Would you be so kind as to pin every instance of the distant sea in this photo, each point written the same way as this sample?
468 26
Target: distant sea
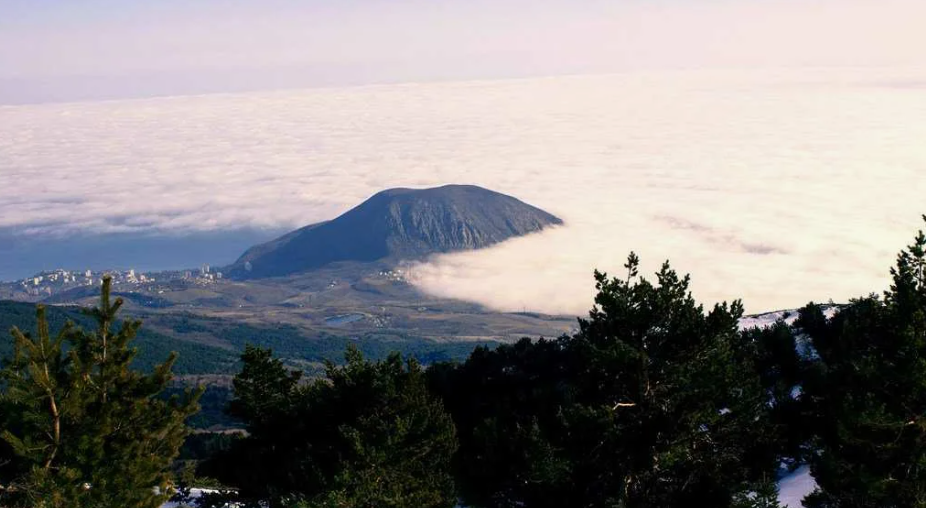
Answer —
777 186
22 257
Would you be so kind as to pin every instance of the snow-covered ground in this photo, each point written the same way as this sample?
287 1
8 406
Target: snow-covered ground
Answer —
194 493
789 316
768 319
793 487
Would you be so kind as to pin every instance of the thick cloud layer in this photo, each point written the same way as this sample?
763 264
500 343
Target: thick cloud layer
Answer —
778 187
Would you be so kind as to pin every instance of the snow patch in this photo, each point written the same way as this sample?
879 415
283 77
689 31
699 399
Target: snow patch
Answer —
793 487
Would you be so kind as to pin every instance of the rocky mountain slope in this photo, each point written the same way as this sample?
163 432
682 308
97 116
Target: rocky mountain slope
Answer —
398 224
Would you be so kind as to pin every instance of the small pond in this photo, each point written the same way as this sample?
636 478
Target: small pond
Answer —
343 319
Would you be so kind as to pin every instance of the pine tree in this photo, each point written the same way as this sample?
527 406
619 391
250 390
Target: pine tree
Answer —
40 397
866 394
263 389
765 496
263 466
507 405
673 399
397 440
90 430
369 435
653 403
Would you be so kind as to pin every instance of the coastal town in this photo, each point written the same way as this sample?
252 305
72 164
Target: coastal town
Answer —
49 283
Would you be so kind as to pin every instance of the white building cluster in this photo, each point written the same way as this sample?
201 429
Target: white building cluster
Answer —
205 275
48 283
58 280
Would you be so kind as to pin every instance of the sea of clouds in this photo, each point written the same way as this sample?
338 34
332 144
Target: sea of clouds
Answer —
777 187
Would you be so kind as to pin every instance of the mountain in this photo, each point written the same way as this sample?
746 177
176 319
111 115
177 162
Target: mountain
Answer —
398 224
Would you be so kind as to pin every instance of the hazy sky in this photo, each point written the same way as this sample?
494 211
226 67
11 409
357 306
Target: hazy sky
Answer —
54 50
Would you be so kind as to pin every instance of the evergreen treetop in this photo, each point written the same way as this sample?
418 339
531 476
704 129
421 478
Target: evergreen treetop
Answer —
865 394
89 430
